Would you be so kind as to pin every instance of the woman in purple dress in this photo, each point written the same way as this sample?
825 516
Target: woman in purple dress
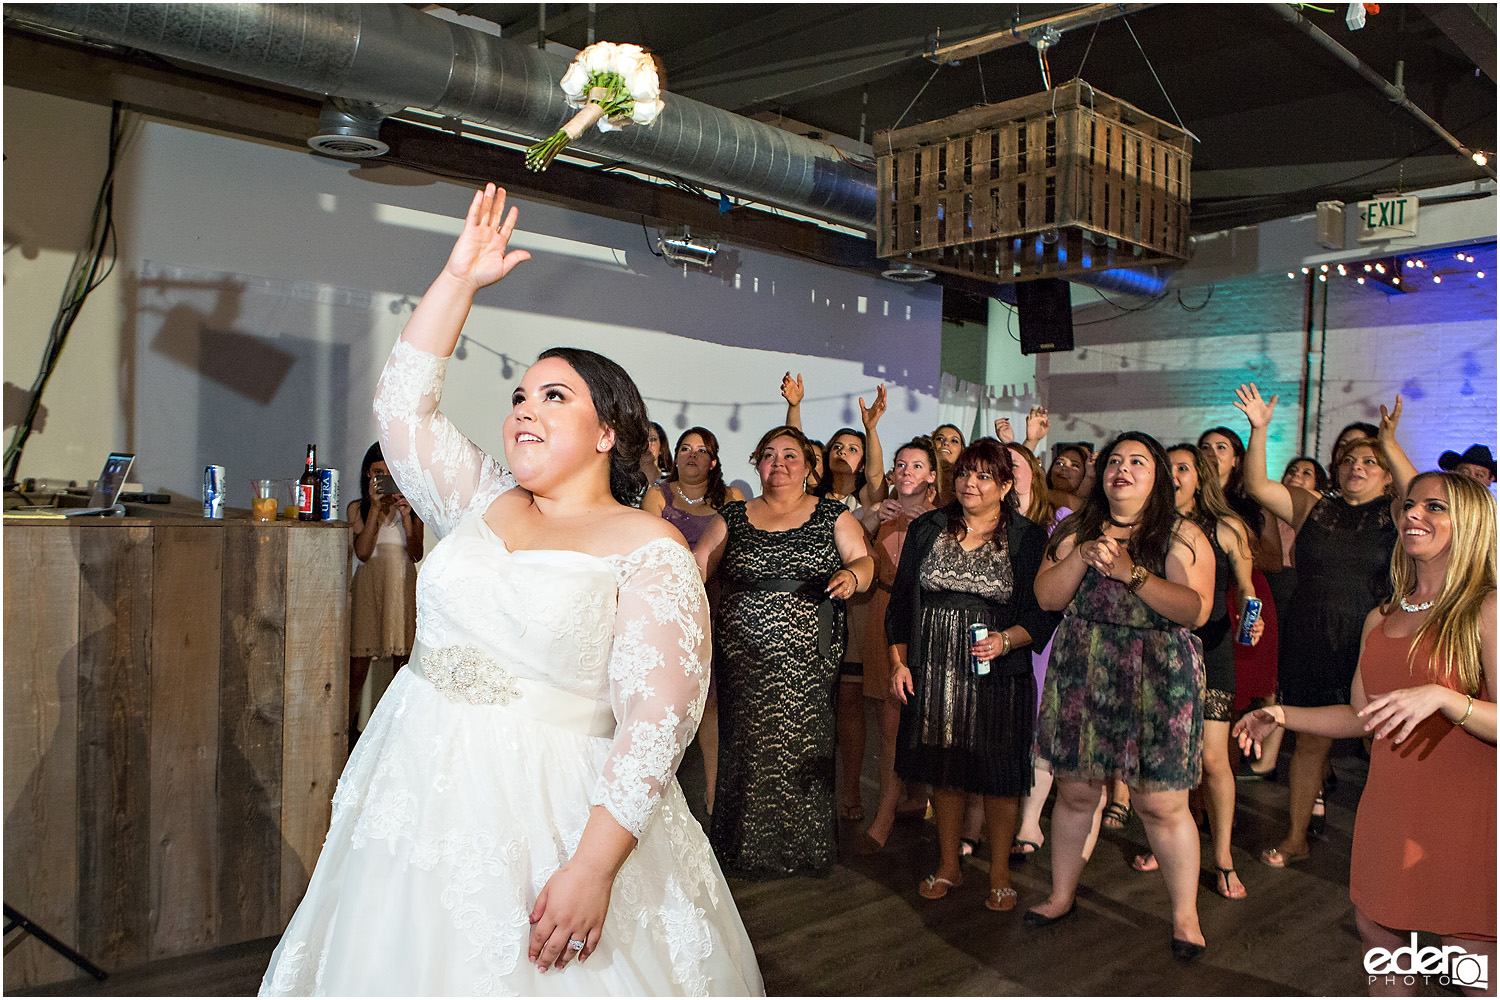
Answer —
689 498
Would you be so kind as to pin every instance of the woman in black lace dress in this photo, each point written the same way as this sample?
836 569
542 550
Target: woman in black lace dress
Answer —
785 562
1344 545
966 724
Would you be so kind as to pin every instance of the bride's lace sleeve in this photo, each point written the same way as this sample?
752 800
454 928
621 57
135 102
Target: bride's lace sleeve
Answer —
658 682
443 474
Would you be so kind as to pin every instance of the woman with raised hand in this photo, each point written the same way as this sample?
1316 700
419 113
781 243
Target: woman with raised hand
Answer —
1424 837
786 563
915 480
1123 695
1254 666
1198 499
1344 547
1304 472
688 499
849 457
510 821
969 703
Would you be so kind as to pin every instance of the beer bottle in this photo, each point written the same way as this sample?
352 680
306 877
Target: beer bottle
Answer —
307 488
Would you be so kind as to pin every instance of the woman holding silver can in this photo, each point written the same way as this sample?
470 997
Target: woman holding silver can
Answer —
969 701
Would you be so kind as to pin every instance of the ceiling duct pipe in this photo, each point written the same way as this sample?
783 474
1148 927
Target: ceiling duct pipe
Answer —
373 59
391 54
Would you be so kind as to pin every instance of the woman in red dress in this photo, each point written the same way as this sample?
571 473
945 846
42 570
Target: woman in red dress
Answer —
1424 837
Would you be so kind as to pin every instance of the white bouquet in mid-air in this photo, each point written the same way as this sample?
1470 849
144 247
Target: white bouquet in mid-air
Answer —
614 86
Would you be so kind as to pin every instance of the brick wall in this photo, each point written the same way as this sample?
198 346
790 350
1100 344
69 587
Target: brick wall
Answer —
1172 372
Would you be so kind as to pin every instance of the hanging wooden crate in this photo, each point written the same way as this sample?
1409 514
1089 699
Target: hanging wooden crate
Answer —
1063 182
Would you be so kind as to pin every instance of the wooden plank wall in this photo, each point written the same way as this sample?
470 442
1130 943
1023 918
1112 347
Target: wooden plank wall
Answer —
172 735
41 743
185 671
317 708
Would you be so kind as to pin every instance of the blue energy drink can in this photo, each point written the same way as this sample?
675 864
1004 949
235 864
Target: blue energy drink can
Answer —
977 631
213 490
328 494
1252 615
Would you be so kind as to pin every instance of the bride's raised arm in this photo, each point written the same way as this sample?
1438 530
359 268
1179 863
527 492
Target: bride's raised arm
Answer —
440 471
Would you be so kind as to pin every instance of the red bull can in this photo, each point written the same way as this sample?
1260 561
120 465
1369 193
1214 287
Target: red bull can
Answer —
328 494
1252 615
977 631
213 490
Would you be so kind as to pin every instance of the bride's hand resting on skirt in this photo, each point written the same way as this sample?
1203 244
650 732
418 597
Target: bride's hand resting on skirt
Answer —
571 907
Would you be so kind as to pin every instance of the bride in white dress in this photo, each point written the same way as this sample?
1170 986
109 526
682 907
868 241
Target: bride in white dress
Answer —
510 822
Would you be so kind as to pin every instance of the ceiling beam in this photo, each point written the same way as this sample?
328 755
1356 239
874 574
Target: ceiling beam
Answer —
1471 27
1023 33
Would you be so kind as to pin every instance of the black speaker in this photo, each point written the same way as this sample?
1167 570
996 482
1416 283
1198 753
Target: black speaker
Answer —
1045 307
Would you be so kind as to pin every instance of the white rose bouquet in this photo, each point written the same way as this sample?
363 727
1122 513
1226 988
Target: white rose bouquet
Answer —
613 86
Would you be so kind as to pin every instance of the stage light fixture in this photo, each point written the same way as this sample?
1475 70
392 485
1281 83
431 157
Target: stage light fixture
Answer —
685 248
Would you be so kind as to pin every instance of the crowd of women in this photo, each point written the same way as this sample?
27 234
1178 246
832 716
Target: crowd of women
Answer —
1020 633
1111 590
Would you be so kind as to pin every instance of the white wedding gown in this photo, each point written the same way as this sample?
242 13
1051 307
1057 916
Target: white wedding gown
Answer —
543 683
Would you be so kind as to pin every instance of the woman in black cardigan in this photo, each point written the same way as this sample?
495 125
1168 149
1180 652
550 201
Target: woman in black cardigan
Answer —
966 724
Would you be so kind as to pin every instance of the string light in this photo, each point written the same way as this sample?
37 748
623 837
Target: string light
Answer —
1289 274
1479 274
1437 279
1380 268
1324 268
1368 267
1322 277
1305 271
1360 279
1481 159
1342 271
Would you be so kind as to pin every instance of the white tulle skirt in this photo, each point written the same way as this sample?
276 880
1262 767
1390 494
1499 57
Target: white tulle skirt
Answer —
447 823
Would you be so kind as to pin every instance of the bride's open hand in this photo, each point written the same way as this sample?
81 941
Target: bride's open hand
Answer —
571 907
480 257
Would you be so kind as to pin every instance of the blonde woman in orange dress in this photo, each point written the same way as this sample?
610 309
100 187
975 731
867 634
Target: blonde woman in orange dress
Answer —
1424 837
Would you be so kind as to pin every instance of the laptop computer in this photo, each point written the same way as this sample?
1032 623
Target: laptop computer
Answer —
105 498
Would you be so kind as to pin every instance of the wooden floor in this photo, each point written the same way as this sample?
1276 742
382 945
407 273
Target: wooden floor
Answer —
865 931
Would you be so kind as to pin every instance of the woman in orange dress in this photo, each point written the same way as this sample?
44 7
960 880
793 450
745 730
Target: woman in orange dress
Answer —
1424 837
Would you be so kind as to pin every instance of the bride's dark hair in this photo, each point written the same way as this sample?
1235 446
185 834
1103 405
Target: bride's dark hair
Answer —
620 408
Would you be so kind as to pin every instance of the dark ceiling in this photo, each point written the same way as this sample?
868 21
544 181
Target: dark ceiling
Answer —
1282 123
1259 95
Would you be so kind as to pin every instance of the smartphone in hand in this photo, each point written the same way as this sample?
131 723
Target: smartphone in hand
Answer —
386 486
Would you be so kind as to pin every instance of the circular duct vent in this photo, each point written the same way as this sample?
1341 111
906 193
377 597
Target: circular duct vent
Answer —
908 273
351 146
350 129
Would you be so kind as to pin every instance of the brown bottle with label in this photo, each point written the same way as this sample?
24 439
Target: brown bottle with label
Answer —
307 488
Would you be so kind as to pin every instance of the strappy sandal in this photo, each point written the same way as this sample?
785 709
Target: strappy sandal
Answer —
1022 850
852 814
936 887
1222 884
1319 821
1272 857
968 846
1001 900
1116 815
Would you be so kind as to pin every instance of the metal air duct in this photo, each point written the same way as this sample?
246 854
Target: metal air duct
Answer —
391 54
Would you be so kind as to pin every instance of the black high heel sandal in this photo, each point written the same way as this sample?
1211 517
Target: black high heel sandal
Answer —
1319 821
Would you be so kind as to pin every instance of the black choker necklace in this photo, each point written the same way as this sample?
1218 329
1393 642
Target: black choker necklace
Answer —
1119 524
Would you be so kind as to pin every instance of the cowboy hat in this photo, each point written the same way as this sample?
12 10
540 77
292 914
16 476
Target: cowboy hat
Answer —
1477 454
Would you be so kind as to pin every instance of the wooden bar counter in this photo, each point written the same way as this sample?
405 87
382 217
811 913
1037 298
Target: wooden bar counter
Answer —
176 701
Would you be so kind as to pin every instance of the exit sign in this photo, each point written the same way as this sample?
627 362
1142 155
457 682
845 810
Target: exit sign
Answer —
1386 218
